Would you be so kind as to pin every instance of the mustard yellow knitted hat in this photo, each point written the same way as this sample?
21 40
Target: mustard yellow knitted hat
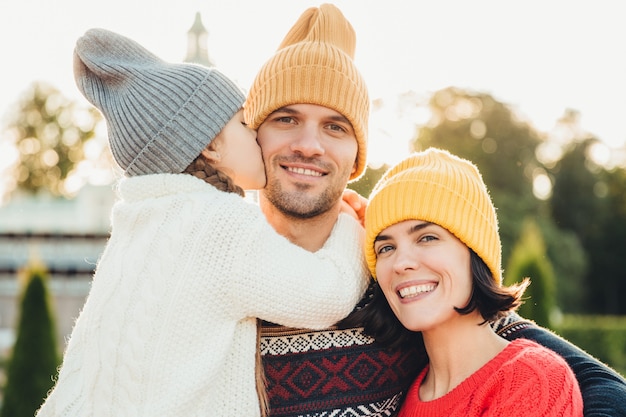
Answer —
314 65
438 187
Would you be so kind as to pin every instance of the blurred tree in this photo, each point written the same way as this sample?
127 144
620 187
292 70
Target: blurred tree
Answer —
576 207
49 132
477 127
569 262
609 252
589 200
528 259
33 365
573 201
368 180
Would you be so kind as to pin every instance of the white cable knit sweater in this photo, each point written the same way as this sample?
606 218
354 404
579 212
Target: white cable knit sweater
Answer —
168 328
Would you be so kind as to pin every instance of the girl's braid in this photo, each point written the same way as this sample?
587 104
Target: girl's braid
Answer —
202 168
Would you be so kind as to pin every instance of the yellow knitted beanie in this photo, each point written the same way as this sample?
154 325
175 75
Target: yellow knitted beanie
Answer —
437 187
314 65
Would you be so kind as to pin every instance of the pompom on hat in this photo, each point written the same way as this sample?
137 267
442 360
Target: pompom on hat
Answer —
314 64
437 187
159 115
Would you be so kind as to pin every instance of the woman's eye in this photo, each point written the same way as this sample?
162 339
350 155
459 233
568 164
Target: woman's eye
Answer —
383 249
428 238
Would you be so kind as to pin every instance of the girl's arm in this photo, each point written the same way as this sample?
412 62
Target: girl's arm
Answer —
280 282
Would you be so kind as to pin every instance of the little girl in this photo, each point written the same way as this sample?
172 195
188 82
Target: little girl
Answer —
170 325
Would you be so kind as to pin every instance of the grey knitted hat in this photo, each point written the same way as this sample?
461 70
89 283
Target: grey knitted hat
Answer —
159 115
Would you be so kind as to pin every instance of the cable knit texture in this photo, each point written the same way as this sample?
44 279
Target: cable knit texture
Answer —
169 328
525 379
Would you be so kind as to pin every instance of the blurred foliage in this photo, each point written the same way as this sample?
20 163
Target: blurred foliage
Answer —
49 132
569 262
604 337
35 358
528 259
590 201
479 128
368 180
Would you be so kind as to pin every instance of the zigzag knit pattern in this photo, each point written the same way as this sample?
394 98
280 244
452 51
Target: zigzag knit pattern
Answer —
334 373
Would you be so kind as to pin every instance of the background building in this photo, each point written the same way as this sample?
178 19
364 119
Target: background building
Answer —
67 236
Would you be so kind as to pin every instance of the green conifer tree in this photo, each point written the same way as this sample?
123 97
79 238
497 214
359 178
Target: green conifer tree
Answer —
529 259
33 366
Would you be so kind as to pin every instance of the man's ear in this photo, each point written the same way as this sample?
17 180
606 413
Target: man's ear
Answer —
211 155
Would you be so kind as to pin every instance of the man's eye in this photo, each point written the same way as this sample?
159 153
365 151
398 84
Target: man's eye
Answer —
337 128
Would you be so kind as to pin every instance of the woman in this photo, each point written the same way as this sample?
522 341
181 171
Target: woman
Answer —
432 244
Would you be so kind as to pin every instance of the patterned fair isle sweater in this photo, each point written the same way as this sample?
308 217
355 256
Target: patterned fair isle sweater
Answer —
524 380
169 327
344 373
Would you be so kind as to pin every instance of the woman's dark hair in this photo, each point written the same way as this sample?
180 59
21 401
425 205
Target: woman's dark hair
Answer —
380 322
491 301
202 168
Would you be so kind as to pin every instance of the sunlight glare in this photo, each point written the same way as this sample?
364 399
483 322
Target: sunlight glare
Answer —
599 153
542 186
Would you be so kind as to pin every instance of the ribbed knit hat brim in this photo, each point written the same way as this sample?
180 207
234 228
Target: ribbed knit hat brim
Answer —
159 115
315 65
437 187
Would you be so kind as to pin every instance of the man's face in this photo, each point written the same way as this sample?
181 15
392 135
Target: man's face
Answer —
309 153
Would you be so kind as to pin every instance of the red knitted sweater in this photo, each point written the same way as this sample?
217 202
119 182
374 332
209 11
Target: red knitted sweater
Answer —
525 379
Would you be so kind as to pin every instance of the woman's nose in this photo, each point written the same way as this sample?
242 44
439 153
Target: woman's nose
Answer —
405 260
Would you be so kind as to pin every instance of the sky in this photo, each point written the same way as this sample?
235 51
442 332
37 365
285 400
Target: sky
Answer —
539 57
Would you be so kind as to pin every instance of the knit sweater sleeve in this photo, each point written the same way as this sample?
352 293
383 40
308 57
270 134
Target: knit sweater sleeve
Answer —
277 281
603 389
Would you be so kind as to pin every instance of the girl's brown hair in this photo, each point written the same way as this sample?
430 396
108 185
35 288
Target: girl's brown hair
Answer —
201 168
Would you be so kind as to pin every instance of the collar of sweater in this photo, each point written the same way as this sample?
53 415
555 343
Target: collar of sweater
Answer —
160 185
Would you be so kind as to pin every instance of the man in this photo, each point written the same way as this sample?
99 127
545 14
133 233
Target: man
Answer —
310 106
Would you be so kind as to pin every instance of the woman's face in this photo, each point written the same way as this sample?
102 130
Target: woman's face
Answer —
424 272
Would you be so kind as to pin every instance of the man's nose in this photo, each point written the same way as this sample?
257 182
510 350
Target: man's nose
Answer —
308 141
